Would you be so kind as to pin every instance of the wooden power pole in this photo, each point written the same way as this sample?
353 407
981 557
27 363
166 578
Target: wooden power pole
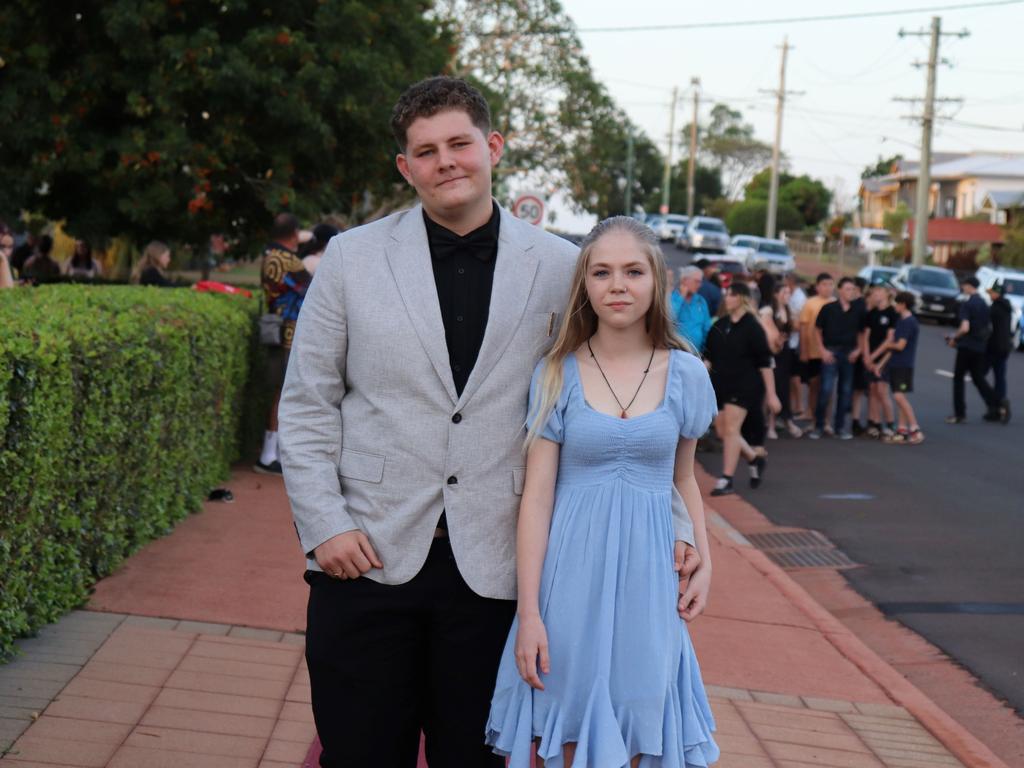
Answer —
691 170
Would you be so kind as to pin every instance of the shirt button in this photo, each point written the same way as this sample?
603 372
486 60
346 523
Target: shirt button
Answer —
456 368
458 318
453 480
456 418
462 270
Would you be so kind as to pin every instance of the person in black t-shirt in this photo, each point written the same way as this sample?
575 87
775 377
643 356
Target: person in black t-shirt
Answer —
1000 342
971 342
860 374
879 327
738 356
838 328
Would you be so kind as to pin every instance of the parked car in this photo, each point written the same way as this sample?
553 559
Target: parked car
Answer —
774 255
876 275
745 247
704 234
936 289
1012 282
874 241
671 226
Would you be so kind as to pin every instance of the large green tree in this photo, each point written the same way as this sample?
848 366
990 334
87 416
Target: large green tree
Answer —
175 119
707 183
883 167
729 144
808 196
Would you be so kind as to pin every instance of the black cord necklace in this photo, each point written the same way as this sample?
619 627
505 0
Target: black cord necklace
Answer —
624 408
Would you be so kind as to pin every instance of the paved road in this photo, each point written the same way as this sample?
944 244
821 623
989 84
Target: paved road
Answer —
939 527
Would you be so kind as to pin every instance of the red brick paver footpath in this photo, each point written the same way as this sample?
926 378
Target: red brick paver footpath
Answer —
191 656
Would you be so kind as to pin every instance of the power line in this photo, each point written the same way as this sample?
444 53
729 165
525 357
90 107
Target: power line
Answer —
790 20
981 126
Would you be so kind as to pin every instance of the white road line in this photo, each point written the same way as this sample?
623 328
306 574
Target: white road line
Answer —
949 374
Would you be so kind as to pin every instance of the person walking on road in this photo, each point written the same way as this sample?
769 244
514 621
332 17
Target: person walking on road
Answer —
740 362
837 328
401 434
894 362
971 343
1000 343
689 309
598 668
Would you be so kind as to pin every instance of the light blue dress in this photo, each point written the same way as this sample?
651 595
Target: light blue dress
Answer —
624 679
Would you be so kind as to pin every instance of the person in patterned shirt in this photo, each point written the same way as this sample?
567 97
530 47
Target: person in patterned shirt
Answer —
284 280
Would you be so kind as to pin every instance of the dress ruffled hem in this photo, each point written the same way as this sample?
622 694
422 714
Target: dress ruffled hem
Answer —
607 736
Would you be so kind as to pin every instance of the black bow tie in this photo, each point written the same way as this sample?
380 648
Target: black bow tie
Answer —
480 243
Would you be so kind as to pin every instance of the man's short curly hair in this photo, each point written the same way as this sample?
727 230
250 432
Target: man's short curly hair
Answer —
438 94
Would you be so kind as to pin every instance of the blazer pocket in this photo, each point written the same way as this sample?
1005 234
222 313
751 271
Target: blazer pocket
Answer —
356 465
518 480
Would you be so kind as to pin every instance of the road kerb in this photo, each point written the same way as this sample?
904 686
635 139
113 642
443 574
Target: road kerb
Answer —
957 739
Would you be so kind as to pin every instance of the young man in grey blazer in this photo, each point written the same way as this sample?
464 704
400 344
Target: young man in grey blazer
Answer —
401 426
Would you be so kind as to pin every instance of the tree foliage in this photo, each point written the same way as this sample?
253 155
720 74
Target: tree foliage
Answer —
881 168
707 183
808 196
178 120
749 216
562 128
728 143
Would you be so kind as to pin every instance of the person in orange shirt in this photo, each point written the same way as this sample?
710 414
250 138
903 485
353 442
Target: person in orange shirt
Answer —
810 349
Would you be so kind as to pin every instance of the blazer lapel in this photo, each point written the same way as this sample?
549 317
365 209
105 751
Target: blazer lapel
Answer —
409 258
514 273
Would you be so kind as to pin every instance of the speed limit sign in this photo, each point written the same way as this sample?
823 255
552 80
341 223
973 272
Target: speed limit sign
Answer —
529 206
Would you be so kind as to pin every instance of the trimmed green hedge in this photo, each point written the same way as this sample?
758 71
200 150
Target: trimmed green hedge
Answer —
120 408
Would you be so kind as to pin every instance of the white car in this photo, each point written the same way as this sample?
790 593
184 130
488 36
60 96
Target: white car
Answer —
1012 281
705 234
668 227
763 252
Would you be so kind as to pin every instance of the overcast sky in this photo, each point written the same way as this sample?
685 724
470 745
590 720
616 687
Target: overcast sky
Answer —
849 72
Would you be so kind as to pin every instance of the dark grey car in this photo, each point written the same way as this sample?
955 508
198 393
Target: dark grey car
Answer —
936 289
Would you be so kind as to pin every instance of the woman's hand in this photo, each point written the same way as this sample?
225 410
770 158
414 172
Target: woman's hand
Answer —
686 559
531 642
695 599
774 404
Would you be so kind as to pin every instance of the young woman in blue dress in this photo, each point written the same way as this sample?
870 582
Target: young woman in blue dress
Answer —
599 670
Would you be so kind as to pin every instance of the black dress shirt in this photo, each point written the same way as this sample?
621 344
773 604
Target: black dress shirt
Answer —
839 327
463 274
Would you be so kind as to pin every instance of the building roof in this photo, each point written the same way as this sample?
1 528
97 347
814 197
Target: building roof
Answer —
1002 199
959 231
953 165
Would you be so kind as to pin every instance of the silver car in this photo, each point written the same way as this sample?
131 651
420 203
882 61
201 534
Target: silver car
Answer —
705 234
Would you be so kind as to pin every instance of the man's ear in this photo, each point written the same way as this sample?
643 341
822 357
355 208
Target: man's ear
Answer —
496 145
403 167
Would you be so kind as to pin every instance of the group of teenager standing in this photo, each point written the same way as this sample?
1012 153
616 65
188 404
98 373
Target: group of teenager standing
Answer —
778 356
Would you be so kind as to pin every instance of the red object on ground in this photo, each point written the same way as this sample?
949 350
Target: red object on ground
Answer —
212 286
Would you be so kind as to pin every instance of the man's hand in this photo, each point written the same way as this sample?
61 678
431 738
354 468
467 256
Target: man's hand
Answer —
347 555
686 559
853 356
774 404
827 357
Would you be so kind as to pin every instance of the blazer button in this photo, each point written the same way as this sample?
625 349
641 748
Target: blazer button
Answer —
456 418
453 480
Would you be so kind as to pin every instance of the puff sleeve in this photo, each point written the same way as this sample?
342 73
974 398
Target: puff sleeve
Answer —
694 396
554 427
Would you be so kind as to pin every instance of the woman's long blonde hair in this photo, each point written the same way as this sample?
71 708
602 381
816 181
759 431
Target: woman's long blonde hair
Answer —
150 258
579 321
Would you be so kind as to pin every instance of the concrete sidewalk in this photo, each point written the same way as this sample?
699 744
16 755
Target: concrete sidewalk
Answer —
191 655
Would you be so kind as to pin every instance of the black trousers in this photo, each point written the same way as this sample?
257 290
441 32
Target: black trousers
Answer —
976 364
386 662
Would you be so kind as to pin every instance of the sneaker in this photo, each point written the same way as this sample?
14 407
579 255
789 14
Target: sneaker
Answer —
886 433
794 429
857 429
897 438
273 468
771 434
993 416
845 434
915 437
1004 411
814 434
722 487
757 468
956 419
829 431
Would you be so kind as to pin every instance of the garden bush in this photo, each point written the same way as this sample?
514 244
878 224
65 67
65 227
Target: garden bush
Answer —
120 408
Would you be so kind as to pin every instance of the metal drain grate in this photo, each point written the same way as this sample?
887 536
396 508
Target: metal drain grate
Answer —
800 549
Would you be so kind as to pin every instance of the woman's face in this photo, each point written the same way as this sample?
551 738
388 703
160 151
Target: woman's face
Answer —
732 301
784 294
164 259
6 245
620 280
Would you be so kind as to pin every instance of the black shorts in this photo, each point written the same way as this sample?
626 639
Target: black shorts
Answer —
277 366
810 369
901 379
748 400
860 376
873 378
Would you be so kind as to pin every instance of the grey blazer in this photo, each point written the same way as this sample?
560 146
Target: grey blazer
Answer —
368 434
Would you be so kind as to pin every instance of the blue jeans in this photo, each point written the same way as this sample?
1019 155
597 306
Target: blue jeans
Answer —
842 371
997 362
